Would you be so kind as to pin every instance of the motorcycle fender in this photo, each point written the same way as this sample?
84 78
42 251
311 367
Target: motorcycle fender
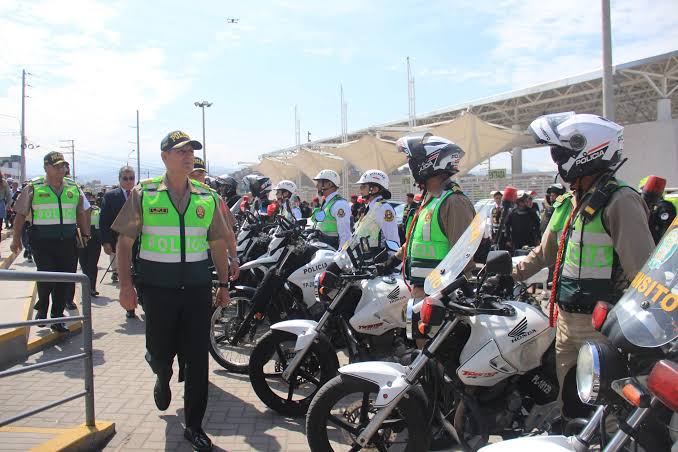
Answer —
303 329
541 443
389 377
249 291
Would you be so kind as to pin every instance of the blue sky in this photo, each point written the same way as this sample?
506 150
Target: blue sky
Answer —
95 63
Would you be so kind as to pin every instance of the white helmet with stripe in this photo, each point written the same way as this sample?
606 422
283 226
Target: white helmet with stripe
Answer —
286 185
581 144
374 176
328 174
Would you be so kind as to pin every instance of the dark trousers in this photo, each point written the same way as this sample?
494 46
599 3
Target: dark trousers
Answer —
178 322
54 256
89 260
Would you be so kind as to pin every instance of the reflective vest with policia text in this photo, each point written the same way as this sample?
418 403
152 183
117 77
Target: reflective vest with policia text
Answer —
173 246
428 245
329 224
589 257
54 217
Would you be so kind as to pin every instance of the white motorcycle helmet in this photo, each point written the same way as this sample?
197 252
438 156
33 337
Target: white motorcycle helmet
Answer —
376 177
328 174
581 144
286 185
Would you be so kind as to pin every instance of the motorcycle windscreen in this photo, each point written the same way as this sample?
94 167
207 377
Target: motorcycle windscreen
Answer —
459 256
367 226
648 310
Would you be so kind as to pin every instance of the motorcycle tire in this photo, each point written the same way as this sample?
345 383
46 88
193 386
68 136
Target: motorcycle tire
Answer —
412 411
225 321
318 365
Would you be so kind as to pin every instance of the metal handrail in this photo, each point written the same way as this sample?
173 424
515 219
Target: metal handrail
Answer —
86 356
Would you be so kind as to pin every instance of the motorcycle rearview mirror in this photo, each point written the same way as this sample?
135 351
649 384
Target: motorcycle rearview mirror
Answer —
392 245
319 216
498 263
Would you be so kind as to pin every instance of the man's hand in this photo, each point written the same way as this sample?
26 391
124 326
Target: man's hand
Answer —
108 249
128 297
222 300
15 246
234 270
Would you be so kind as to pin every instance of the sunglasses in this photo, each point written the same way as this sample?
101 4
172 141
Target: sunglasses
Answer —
128 178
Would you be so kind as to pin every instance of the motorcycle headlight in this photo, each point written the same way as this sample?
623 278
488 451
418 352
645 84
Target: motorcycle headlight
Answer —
598 365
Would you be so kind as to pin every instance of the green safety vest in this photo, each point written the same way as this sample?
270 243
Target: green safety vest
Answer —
173 246
372 233
329 224
589 256
54 217
94 217
427 245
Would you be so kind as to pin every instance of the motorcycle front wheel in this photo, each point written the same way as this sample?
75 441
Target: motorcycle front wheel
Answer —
344 406
271 357
225 322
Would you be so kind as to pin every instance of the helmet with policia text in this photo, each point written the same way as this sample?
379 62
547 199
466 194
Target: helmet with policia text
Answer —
378 178
257 185
429 155
581 144
286 185
328 174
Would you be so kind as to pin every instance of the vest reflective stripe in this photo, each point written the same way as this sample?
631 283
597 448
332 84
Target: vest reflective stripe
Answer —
373 234
166 257
54 216
427 245
329 225
95 214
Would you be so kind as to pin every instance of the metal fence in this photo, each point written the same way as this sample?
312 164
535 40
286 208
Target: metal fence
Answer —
86 356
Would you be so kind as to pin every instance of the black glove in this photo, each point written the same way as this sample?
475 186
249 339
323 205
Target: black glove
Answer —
388 266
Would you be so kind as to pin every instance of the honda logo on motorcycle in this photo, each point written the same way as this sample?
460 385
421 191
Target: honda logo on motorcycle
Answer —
520 331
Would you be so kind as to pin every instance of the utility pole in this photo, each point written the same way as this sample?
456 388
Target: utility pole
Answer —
23 125
72 148
202 105
139 160
411 97
608 81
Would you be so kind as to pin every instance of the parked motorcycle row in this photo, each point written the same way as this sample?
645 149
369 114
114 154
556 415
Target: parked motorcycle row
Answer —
330 335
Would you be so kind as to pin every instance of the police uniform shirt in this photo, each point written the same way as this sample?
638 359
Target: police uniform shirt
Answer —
341 210
22 205
129 220
385 218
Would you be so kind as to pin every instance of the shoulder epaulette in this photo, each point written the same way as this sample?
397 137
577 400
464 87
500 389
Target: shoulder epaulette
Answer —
562 198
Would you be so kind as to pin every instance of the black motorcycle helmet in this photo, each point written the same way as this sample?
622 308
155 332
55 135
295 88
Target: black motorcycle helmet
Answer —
429 155
227 184
257 185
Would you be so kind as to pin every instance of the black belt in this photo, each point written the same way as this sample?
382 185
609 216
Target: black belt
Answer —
577 307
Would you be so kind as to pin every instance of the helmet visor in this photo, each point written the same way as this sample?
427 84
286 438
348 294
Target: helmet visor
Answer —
561 155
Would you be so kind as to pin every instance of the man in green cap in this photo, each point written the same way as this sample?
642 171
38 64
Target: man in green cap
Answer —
176 221
56 207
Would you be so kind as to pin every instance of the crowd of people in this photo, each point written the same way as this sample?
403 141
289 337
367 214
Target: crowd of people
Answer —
164 234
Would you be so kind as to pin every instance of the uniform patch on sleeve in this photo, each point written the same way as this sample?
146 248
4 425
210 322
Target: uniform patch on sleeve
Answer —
388 215
341 213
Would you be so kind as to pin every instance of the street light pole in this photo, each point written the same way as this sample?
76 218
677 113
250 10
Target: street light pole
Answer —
202 105
138 159
608 81
23 126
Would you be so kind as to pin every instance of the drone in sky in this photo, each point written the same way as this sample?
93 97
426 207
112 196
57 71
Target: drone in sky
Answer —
232 20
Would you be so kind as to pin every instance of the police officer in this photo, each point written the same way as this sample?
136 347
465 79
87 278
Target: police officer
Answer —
260 187
176 221
552 193
446 212
662 213
374 186
495 213
283 194
88 256
336 216
522 224
227 187
56 208
598 236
